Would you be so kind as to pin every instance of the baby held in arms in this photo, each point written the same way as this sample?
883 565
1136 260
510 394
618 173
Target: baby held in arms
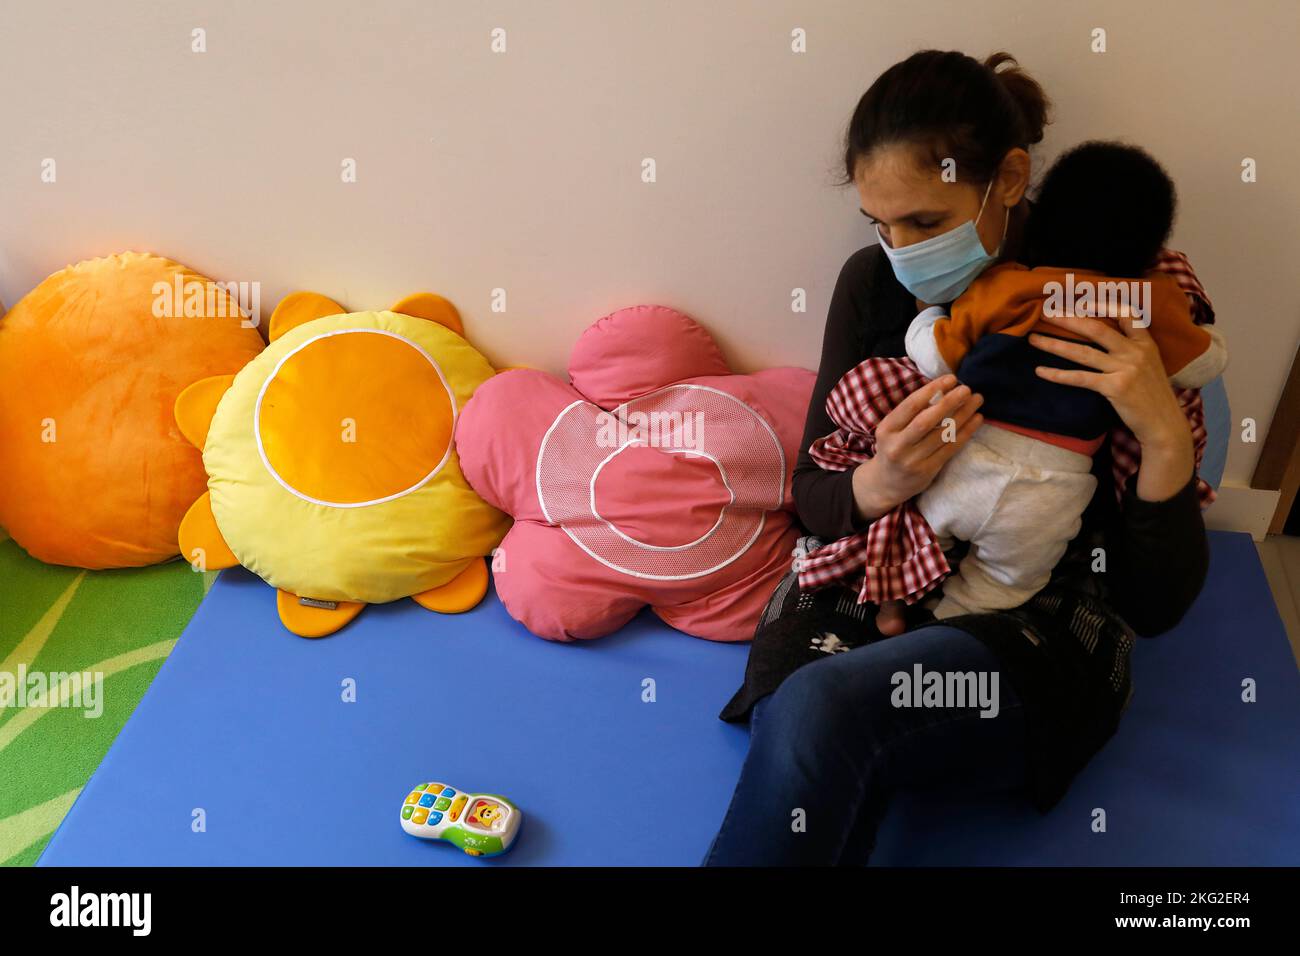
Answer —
1017 490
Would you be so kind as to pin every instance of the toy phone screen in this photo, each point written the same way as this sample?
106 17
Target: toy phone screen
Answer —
487 814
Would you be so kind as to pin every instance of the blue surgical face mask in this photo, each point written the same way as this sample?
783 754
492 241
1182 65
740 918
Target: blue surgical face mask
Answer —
940 268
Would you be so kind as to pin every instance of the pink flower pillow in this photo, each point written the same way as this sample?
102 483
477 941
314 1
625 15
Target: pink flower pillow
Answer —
657 476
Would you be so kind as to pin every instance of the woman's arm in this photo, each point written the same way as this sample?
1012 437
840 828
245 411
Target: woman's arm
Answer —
1159 554
824 499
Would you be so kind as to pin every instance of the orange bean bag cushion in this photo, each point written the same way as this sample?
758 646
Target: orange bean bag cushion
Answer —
94 472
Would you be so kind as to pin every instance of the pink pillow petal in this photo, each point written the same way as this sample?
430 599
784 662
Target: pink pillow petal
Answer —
639 349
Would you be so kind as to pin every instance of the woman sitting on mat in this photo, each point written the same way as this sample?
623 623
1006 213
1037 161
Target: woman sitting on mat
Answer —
836 726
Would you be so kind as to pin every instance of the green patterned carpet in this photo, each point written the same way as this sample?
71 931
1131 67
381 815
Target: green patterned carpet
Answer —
56 622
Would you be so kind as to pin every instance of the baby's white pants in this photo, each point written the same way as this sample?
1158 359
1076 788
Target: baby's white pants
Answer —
1019 502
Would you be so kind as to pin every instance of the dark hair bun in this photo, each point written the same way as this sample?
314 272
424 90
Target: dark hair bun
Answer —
1025 90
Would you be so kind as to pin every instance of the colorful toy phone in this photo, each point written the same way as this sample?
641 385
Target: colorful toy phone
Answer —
481 824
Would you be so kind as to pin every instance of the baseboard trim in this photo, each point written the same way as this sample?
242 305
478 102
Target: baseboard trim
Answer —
1239 508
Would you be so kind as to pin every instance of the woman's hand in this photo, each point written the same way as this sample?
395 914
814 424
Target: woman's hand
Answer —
1132 378
912 443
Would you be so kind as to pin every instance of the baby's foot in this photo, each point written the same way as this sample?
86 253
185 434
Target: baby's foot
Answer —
889 619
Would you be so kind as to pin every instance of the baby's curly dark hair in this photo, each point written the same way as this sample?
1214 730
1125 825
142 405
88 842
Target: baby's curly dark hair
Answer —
1106 206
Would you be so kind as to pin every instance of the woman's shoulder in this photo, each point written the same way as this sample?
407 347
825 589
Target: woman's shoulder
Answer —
863 266
868 296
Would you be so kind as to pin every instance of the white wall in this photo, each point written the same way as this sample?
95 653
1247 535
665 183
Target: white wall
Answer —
522 171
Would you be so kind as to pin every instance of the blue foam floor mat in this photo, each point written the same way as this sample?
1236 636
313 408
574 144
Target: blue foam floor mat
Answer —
1193 777
246 723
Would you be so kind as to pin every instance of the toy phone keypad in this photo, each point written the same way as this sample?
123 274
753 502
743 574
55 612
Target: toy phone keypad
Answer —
481 824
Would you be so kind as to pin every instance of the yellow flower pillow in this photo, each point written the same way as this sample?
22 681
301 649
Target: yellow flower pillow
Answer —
331 462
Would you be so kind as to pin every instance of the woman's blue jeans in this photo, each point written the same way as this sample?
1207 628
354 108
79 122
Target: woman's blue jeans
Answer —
830 747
